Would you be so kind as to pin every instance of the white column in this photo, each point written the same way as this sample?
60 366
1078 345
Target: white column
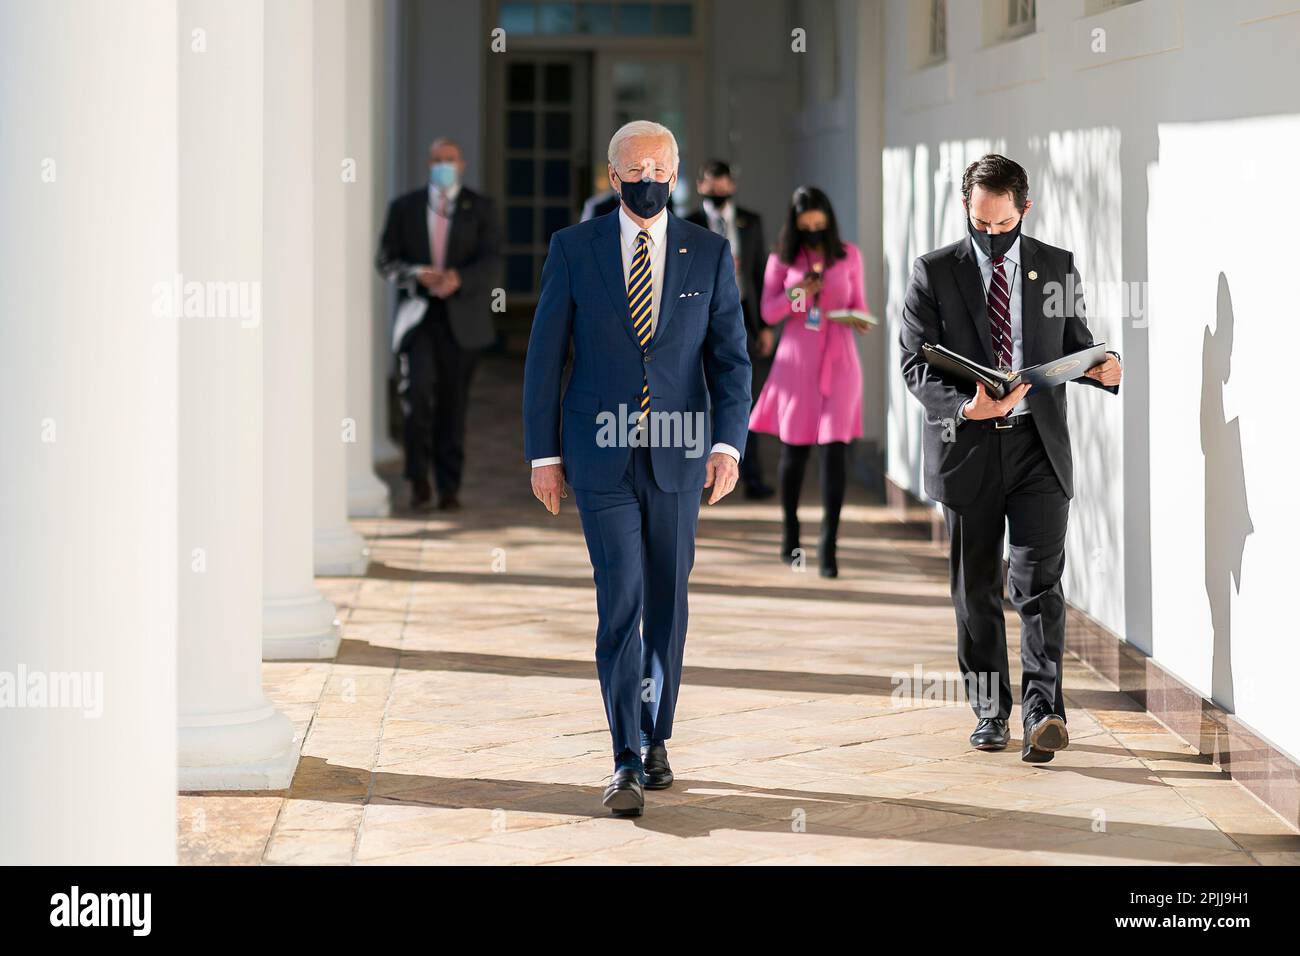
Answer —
364 118
339 549
388 183
297 621
88 432
231 736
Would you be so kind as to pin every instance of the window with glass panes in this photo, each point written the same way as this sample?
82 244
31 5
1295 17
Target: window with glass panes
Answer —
1021 15
545 152
583 18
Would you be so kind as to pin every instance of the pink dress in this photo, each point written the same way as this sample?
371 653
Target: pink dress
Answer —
813 394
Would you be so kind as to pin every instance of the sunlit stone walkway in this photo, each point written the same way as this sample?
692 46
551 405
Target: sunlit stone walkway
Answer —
462 723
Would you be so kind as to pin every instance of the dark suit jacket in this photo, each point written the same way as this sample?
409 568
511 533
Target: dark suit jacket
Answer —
945 305
473 250
696 359
753 260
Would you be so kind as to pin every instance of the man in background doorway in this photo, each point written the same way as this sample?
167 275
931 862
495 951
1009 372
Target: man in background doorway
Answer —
743 230
441 243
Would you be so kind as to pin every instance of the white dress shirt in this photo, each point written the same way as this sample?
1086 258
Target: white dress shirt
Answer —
628 232
1011 267
723 222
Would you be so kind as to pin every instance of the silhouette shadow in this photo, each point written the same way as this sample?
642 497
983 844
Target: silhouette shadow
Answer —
1227 515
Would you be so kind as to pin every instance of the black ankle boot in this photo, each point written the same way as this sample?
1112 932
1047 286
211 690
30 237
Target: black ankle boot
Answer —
789 541
828 566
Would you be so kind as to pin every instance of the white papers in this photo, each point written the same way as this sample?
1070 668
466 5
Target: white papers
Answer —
409 314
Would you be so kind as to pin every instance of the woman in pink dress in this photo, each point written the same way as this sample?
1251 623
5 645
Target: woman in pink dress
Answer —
813 395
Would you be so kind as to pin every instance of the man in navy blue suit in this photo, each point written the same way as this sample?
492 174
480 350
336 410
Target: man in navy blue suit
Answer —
660 376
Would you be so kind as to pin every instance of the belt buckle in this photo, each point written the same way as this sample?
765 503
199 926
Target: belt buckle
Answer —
1002 424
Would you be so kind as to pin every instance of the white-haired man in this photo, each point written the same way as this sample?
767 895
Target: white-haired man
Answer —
441 243
649 304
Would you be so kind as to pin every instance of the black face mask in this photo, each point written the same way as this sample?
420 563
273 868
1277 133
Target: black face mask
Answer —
995 247
645 197
719 200
812 238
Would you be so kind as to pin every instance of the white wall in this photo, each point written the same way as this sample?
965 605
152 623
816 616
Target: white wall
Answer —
442 91
1224 571
751 104
1142 161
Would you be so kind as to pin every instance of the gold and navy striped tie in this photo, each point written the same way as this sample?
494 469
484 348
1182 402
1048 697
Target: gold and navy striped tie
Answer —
640 300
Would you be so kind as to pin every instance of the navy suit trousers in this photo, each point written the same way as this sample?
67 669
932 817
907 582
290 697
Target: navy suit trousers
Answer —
642 545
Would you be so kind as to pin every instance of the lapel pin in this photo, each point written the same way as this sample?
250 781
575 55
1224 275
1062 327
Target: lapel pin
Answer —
1032 275
682 249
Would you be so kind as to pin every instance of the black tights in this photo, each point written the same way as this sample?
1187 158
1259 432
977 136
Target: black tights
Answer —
834 468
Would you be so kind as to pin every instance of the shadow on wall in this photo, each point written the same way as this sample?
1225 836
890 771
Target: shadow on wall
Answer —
1227 515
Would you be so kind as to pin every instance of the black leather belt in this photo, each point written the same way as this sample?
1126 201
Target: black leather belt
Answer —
1003 424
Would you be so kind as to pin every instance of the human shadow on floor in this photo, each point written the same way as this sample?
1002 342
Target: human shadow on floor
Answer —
819 591
1089 698
352 652
699 806
1142 754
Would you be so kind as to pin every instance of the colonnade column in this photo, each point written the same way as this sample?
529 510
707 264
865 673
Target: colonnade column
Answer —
88 435
339 550
230 736
297 621
364 121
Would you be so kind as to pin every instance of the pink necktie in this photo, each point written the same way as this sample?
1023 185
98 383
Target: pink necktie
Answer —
440 225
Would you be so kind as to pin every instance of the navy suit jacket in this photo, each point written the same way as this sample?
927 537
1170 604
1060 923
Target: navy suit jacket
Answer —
696 358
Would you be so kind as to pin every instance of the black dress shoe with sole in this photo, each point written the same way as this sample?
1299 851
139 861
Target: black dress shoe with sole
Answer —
624 796
658 775
990 734
421 497
1045 734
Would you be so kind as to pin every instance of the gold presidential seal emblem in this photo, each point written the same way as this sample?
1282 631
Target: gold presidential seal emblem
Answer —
1060 368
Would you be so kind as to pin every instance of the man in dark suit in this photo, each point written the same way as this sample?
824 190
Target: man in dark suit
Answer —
743 230
649 304
442 245
1001 299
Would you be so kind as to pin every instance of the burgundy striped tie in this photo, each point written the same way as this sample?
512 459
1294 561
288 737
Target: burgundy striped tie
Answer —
1000 315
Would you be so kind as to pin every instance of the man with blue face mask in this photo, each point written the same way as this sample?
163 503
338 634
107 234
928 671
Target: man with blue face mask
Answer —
441 244
657 409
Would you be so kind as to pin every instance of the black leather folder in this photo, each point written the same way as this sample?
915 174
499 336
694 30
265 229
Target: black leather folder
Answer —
997 383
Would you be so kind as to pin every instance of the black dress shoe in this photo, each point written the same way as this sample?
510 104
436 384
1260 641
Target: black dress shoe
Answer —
757 491
1045 734
658 775
449 502
421 495
990 734
624 796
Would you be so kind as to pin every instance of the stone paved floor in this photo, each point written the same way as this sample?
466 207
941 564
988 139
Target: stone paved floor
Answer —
462 722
